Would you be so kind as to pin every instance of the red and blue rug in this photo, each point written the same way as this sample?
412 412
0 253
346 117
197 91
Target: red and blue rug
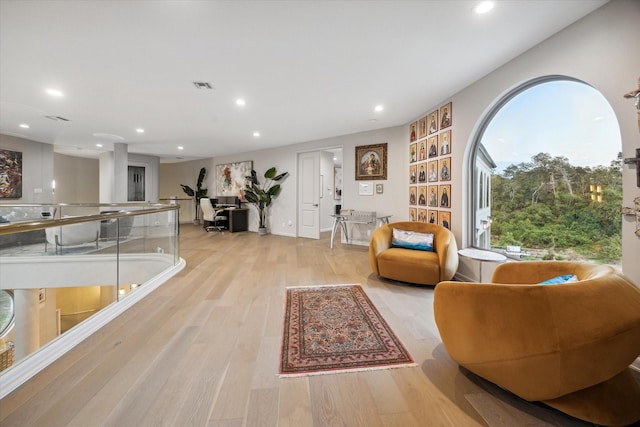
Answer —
330 329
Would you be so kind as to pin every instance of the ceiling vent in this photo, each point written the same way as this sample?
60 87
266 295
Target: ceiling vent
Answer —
202 85
57 118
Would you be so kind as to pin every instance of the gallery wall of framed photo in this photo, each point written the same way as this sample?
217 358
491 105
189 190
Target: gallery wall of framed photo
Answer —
430 146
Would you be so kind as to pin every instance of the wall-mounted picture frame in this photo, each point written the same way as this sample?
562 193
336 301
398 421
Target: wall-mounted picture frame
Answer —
433 122
422 195
432 196
365 188
422 215
432 174
42 295
444 166
413 153
371 162
231 178
444 196
433 146
412 214
422 150
445 116
413 195
444 143
432 216
413 131
10 174
379 188
422 172
444 219
413 174
422 127
337 183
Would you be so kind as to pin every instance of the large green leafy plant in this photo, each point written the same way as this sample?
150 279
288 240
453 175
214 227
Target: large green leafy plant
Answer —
199 192
261 195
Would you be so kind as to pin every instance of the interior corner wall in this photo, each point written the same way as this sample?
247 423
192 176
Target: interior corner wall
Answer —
77 179
105 161
37 169
174 174
601 50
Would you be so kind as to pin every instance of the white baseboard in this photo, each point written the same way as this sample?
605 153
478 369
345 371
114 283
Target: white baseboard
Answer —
26 368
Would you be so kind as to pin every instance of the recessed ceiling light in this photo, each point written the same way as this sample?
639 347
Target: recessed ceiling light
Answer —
379 108
99 145
241 102
54 92
24 126
140 130
256 134
180 147
484 7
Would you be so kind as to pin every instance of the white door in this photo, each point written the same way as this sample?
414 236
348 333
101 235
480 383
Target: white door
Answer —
309 195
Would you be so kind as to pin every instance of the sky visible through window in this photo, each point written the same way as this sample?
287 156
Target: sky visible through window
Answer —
561 118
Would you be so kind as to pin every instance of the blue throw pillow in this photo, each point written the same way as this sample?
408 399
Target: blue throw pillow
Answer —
412 240
558 280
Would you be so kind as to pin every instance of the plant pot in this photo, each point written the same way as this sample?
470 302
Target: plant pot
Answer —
262 231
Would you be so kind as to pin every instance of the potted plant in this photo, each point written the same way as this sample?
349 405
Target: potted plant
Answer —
199 192
261 195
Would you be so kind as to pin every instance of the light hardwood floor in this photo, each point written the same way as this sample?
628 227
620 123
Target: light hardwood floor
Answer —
203 350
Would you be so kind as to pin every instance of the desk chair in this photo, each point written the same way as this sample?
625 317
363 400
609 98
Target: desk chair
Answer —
212 217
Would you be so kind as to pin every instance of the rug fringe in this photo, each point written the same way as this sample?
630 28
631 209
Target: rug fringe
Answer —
323 286
347 370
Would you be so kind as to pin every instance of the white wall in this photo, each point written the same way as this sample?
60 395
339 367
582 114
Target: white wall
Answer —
601 50
326 191
37 169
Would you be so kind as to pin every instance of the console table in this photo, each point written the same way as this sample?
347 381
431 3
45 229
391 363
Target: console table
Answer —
481 256
341 220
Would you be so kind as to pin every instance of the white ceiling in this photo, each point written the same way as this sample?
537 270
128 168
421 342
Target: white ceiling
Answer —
307 69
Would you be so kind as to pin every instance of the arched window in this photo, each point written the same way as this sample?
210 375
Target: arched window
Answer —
7 312
547 175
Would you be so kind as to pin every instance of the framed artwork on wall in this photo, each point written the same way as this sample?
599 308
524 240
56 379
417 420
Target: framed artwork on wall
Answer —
413 195
433 122
10 174
433 195
412 214
445 116
422 215
231 178
445 169
432 216
433 146
413 174
422 195
413 153
445 143
371 162
422 152
444 199
433 171
445 219
365 189
422 126
379 188
413 132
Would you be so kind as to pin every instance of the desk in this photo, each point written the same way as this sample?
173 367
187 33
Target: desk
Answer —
238 219
481 256
341 220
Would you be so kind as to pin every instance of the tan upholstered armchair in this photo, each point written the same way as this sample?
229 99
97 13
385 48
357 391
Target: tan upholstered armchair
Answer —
414 266
568 345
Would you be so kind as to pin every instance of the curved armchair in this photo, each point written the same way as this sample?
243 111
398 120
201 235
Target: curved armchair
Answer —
414 266
568 345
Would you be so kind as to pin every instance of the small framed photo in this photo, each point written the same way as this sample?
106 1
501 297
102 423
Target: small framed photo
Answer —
42 295
433 122
445 116
433 195
433 146
422 152
413 132
413 174
445 169
422 215
433 171
432 216
445 143
413 153
413 195
422 173
365 189
445 196
379 188
422 127
412 214
445 219
422 195
371 162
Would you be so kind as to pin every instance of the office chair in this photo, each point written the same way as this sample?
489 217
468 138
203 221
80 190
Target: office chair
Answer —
212 217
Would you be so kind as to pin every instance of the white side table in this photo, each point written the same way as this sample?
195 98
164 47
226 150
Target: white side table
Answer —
481 256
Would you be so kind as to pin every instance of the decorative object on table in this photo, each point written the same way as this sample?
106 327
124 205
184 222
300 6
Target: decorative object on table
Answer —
198 193
329 329
371 162
10 174
231 178
261 195
500 331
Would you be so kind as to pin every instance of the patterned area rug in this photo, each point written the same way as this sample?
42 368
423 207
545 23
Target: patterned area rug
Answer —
329 329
